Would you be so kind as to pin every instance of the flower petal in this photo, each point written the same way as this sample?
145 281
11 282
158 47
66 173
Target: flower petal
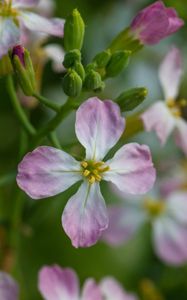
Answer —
99 125
124 221
159 119
9 35
170 240
170 73
85 216
56 283
8 287
24 3
35 22
111 290
131 169
181 134
177 206
56 54
47 171
91 291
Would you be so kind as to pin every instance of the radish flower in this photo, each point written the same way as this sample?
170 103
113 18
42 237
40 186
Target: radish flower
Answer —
8 287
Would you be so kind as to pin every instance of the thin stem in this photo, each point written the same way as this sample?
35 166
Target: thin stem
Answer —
47 103
18 108
54 139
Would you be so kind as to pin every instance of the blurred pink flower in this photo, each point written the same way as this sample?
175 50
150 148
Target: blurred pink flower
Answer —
168 218
164 117
16 14
56 283
8 287
155 22
48 171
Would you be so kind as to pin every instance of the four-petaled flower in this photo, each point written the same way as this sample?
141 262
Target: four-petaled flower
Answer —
15 15
165 116
48 171
155 22
56 283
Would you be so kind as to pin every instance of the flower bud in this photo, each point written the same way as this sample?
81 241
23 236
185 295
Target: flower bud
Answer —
74 30
117 63
23 67
102 58
130 99
72 84
93 81
71 58
78 67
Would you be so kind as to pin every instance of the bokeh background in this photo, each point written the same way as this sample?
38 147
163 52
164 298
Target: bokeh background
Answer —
42 240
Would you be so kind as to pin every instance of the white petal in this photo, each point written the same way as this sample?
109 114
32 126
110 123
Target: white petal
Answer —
181 134
24 3
9 35
56 54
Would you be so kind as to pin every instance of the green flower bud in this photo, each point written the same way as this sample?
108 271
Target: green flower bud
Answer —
23 67
130 99
72 84
78 67
117 63
93 81
102 58
71 58
74 30
5 66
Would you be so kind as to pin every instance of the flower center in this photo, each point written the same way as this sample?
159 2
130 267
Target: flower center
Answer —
6 9
154 208
176 106
93 170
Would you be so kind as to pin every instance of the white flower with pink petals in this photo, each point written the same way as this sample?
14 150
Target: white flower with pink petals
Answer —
48 171
8 287
168 218
16 14
56 283
165 117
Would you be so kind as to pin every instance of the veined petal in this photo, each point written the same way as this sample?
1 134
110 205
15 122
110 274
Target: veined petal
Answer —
131 169
124 221
170 73
177 206
181 134
24 3
56 283
56 54
111 290
85 216
99 126
8 287
91 291
9 35
35 22
170 240
159 118
47 171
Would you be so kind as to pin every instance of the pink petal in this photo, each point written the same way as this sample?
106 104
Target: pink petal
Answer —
9 35
47 171
56 283
111 290
85 216
124 221
8 287
131 169
159 119
91 291
99 126
177 206
38 23
170 240
181 134
170 73
24 3
56 54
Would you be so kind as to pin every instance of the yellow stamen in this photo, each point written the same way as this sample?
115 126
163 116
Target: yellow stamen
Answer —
86 173
84 164
93 170
91 179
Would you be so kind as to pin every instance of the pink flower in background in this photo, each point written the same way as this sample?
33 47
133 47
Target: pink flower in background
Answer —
8 287
165 117
155 22
16 14
168 218
56 283
48 171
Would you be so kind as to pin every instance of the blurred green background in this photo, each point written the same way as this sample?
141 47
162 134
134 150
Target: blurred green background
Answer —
42 240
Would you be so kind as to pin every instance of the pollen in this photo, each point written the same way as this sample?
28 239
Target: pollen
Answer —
93 171
176 106
154 208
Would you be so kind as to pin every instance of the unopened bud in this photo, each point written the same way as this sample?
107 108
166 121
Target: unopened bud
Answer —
71 58
117 63
93 81
74 30
72 84
78 67
102 58
23 67
130 99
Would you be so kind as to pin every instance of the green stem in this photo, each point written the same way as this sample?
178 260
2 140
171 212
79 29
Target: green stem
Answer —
54 139
18 108
47 103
